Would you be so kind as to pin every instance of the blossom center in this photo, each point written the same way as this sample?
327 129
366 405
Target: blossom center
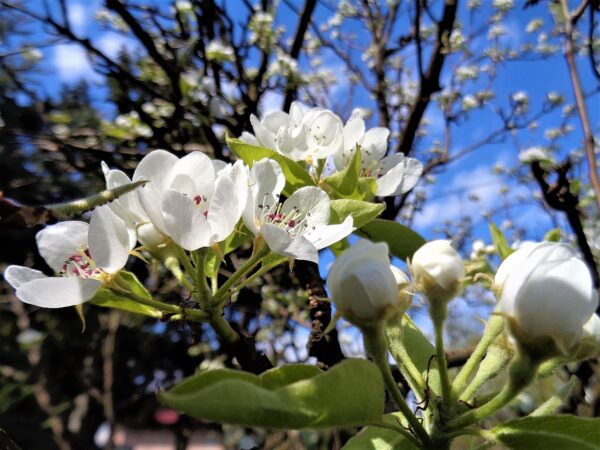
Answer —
81 265
294 222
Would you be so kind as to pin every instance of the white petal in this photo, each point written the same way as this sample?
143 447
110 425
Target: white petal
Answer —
18 275
58 292
229 201
310 202
127 203
400 175
218 165
363 252
155 167
266 183
280 242
150 199
108 240
263 135
325 135
185 222
326 235
374 145
249 138
56 243
291 142
195 168
354 131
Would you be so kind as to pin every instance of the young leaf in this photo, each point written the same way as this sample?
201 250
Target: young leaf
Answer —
107 298
361 212
345 182
406 334
296 175
293 396
500 242
550 432
376 438
403 241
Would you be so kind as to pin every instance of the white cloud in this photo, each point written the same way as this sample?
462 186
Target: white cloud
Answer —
478 181
72 64
270 101
79 15
112 43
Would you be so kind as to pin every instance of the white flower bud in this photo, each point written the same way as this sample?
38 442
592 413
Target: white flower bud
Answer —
363 285
438 270
547 293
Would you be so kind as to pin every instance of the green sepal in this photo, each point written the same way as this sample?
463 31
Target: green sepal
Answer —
500 242
108 298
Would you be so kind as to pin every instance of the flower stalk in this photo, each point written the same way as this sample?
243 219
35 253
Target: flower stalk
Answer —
376 346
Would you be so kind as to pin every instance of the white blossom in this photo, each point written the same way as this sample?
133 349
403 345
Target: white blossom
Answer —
547 292
299 226
438 270
395 174
195 201
82 256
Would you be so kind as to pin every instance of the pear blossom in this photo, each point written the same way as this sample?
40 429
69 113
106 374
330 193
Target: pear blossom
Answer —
438 270
363 285
396 174
547 292
193 200
82 255
301 136
298 227
129 209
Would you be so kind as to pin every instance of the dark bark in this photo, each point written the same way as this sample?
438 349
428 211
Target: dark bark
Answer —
325 347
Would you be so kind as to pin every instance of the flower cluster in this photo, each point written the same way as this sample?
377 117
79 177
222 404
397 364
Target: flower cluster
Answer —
318 134
192 203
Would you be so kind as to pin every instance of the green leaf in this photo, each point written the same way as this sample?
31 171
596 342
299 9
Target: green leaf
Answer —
376 438
107 298
240 236
550 433
554 235
500 242
404 332
296 175
345 182
291 396
361 212
403 241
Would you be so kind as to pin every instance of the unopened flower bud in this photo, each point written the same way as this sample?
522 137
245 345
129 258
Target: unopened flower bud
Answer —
547 295
363 285
438 270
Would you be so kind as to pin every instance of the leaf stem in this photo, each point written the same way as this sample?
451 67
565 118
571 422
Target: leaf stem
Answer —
521 373
259 251
194 314
494 327
203 292
438 311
